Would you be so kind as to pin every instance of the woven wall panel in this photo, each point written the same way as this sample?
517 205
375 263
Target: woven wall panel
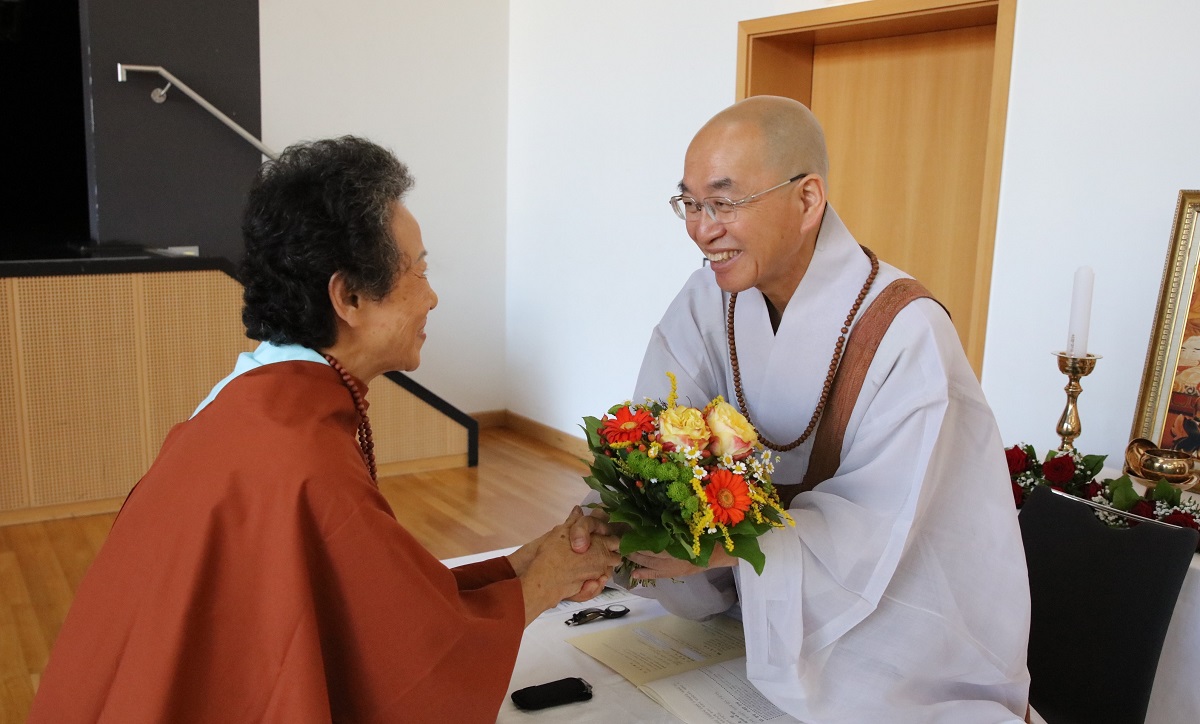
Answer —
14 483
79 357
194 333
406 428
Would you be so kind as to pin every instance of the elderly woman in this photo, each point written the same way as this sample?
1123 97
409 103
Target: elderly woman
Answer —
256 574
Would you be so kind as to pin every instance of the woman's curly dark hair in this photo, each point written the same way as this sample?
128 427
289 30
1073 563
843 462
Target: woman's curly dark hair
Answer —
322 207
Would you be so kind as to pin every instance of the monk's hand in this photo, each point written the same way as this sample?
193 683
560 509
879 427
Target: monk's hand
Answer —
652 566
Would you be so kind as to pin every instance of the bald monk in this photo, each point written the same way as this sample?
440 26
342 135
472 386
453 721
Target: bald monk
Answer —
901 594
256 574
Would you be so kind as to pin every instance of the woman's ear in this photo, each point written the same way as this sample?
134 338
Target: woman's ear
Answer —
346 303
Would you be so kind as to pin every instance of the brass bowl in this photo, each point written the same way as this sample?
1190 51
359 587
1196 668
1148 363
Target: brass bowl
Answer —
1135 452
1173 466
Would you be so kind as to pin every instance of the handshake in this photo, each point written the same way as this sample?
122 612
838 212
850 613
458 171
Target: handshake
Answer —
573 560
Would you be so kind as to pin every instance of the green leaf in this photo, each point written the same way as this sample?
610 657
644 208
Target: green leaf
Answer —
604 468
610 498
1093 464
682 549
748 527
627 514
653 540
1166 494
1123 494
746 548
591 428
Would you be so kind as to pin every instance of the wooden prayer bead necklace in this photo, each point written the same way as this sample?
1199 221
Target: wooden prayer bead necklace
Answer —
833 363
366 442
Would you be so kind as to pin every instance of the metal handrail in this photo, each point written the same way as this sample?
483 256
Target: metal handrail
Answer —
158 95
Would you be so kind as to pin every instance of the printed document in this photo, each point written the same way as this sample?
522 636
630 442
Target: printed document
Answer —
694 669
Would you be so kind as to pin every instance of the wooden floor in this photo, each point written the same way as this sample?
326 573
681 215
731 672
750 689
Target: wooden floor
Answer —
520 489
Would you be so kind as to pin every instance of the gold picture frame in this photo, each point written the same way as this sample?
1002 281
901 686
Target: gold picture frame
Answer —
1168 409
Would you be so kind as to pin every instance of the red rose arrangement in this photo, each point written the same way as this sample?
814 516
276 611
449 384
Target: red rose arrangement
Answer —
684 479
1076 474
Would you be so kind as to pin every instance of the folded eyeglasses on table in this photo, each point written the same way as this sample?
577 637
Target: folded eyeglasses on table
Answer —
588 615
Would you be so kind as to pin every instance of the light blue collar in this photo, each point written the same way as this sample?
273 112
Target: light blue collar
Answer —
266 354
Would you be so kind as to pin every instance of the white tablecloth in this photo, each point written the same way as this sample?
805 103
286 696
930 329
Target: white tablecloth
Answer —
1176 696
545 656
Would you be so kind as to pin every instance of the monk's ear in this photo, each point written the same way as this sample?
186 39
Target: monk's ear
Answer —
347 304
812 196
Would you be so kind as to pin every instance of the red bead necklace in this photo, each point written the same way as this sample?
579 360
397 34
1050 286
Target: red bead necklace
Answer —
833 363
366 442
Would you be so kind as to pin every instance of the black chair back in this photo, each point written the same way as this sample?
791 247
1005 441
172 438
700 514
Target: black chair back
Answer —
1102 599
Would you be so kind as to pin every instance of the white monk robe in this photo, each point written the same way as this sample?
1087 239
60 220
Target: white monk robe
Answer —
901 594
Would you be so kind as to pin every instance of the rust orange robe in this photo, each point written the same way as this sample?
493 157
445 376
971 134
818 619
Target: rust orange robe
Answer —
255 574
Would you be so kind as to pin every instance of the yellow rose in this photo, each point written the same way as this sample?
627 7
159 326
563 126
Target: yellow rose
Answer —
732 434
683 427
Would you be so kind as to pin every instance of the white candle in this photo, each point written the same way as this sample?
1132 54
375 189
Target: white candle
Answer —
1081 312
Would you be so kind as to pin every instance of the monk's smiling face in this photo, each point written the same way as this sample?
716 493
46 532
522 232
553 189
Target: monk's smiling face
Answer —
743 151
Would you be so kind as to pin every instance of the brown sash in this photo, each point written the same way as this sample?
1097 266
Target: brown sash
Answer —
847 383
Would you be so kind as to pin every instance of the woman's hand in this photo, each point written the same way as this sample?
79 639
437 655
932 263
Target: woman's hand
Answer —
551 570
596 522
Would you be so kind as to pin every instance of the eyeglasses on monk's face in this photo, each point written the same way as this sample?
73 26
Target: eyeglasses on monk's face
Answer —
588 615
719 208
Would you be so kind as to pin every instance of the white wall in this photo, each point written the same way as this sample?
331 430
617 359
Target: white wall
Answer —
546 136
430 81
602 105
603 102
1101 137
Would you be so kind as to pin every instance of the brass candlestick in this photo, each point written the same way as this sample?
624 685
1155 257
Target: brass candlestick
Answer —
1074 368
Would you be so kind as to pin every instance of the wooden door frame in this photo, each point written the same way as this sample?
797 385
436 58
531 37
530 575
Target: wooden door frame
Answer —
788 40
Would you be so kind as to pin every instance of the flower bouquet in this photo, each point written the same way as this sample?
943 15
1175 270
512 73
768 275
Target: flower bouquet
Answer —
684 479
1074 473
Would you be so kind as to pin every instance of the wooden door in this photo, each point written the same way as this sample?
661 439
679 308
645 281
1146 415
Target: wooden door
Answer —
912 95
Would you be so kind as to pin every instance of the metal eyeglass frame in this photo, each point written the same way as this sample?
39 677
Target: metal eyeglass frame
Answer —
729 206
588 615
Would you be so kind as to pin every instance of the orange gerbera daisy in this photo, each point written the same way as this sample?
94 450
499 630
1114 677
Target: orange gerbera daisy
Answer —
728 495
627 426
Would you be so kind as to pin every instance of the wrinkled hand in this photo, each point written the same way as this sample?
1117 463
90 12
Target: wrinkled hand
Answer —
583 527
663 565
583 531
551 570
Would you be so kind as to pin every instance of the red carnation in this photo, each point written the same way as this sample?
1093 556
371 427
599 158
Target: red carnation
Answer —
1018 494
1143 508
1183 520
1018 461
1059 470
